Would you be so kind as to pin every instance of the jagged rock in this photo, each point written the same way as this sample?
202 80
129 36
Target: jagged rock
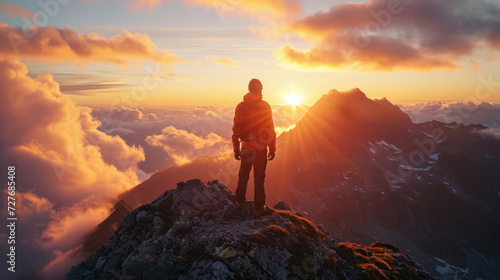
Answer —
196 232
281 205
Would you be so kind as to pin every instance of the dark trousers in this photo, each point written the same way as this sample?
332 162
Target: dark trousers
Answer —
257 159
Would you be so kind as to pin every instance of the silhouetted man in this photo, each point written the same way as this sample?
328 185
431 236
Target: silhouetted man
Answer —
253 126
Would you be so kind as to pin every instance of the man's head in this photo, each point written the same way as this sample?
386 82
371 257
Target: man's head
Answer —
255 86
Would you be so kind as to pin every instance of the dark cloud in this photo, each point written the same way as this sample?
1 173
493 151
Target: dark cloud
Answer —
396 34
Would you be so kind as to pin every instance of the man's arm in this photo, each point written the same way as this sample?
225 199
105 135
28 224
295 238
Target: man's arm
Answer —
270 126
235 136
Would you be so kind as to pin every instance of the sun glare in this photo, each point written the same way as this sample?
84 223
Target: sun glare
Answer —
293 99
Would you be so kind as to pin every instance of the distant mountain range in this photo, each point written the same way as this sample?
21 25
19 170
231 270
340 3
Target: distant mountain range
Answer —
365 171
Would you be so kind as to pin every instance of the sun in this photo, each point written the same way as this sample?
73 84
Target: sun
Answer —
293 99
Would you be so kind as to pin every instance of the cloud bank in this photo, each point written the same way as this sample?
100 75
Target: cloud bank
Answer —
184 147
198 122
121 113
386 35
487 114
67 170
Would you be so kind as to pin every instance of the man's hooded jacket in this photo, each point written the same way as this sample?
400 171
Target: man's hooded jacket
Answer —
253 124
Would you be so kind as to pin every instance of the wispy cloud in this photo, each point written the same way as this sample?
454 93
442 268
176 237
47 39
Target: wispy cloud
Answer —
277 9
138 5
494 132
226 62
90 88
13 10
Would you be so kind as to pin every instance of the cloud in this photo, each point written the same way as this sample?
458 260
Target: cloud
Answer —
13 10
184 147
88 88
383 54
467 113
199 121
68 223
121 113
55 45
119 131
64 232
276 9
379 35
67 170
286 117
36 212
280 129
114 150
226 62
57 268
495 132
139 5
30 204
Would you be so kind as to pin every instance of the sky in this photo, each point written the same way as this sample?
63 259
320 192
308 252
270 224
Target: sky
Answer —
205 51
96 96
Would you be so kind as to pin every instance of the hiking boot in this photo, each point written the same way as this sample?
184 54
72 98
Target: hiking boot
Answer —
240 206
258 213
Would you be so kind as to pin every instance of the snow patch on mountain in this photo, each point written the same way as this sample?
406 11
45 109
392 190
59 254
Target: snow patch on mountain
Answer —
449 271
383 143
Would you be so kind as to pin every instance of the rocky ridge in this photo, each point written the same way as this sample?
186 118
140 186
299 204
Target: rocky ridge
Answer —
195 232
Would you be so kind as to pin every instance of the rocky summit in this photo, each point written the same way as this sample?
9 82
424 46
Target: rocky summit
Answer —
195 232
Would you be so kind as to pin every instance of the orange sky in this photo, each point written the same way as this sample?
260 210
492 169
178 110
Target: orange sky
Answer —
164 53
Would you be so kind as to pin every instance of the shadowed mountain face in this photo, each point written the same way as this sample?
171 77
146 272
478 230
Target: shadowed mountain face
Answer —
196 232
365 171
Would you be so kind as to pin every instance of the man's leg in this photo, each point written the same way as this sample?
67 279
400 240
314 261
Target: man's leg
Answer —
247 157
259 173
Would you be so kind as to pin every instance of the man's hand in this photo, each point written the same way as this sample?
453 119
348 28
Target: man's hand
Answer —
237 154
271 156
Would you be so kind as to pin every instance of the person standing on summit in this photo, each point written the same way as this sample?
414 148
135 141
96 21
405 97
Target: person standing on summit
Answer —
254 129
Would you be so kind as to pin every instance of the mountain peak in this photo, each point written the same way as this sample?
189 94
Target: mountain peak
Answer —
355 105
338 118
355 92
195 232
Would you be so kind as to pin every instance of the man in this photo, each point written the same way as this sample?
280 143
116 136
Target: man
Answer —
253 126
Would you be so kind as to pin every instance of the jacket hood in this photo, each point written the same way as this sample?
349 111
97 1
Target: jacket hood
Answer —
252 97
